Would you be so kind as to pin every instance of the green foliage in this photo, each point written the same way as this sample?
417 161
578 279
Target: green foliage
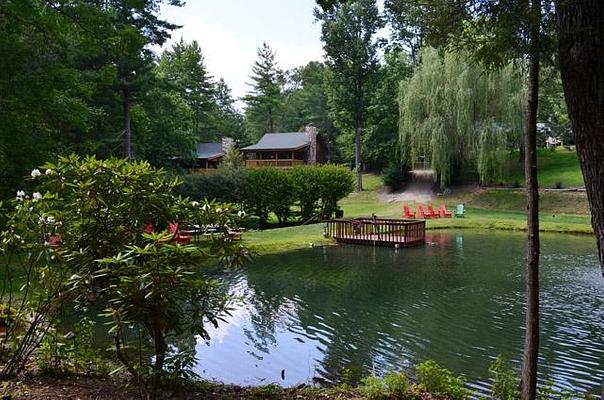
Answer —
348 32
397 383
73 352
223 185
373 388
505 380
152 289
392 176
270 190
439 380
336 182
458 114
264 101
233 159
392 386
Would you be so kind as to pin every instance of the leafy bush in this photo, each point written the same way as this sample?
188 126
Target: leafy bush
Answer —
439 380
373 388
505 380
397 383
89 225
307 188
225 185
336 183
318 188
392 176
394 385
269 190
72 353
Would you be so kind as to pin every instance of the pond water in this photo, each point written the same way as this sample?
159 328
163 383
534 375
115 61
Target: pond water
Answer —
310 315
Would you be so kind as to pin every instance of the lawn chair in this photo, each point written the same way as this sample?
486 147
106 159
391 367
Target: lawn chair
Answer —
178 237
423 213
407 214
444 213
459 211
433 214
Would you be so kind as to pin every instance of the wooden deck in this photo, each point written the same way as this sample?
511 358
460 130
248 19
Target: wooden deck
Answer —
378 231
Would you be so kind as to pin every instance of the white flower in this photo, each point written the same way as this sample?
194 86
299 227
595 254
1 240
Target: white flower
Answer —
49 172
194 203
205 207
241 214
50 219
35 173
219 210
37 196
20 194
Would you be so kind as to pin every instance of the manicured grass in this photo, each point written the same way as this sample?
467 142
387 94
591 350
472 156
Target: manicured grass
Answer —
556 168
566 212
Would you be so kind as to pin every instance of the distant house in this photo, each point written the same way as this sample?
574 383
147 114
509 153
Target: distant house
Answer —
208 155
286 150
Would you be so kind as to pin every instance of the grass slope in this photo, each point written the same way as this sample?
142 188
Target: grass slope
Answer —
556 168
566 212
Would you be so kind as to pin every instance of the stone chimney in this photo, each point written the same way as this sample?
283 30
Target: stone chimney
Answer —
227 143
311 136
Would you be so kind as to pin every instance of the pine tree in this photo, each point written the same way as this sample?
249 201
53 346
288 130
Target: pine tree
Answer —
183 66
264 101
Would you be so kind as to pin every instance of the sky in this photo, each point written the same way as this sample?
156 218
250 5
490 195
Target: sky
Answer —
230 31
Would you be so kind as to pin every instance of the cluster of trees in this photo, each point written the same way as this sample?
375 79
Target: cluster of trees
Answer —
313 190
79 76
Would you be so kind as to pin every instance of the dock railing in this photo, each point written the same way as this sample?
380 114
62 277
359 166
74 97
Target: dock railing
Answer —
377 231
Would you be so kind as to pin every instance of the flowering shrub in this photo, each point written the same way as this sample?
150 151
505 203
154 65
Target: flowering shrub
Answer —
88 220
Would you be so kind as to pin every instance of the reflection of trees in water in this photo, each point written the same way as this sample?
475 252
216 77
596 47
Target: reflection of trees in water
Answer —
376 308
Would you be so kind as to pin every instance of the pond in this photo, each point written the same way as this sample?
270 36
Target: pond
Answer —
313 314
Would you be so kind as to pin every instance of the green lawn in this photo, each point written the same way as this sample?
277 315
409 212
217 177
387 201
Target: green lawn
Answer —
556 168
485 209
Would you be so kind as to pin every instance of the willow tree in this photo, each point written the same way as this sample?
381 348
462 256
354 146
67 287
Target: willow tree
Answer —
460 115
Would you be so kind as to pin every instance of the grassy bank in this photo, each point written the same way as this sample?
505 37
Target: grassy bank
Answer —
565 212
556 168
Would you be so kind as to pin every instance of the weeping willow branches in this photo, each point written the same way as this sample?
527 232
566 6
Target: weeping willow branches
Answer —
460 116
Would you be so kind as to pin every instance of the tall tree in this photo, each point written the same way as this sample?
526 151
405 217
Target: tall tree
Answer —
581 55
264 101
306 101
406 19
381 137
351 51
183 66
460 115
228 119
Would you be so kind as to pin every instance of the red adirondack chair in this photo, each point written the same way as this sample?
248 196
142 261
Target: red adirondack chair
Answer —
407 212
444 213
422 213
178 237
433 214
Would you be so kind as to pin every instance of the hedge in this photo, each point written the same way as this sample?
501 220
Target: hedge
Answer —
315 189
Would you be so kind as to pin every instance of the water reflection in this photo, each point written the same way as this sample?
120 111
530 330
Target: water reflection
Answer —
459 300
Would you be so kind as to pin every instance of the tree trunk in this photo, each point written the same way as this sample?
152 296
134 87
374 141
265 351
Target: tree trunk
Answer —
531 339
127 132
358 187
581 48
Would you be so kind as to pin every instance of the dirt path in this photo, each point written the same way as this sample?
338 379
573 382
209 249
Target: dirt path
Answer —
421 189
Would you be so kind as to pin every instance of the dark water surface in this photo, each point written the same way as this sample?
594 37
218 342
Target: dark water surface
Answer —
458 300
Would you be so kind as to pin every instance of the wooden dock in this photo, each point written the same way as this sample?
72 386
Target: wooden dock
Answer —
377 231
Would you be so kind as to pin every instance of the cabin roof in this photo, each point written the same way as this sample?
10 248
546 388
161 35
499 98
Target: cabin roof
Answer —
209 150
280 141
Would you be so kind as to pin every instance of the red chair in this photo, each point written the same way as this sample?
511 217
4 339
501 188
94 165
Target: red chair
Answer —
433 214
422 213
178 236
444 213
407 212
